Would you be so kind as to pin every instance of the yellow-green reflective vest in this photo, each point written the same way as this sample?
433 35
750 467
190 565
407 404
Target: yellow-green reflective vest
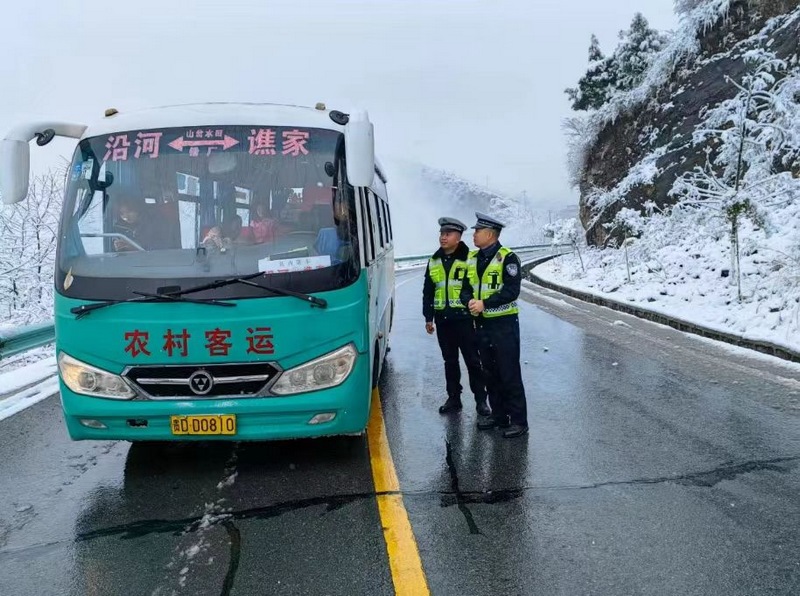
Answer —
447 288
490 283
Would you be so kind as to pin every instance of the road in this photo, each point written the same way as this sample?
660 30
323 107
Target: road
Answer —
657 463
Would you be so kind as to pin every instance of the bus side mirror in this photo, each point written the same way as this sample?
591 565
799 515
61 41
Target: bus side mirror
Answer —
15 165
359 146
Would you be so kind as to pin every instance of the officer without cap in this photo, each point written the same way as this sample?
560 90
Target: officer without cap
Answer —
441 304
493 284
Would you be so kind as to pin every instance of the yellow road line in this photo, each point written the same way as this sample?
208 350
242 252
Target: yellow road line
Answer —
408 576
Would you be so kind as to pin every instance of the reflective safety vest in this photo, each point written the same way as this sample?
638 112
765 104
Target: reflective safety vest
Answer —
447 288
491 282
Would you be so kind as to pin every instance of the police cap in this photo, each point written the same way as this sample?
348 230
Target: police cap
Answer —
451 224
486 221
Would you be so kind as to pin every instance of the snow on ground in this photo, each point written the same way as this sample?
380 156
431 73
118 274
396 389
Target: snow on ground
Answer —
27 385
678 260
688 275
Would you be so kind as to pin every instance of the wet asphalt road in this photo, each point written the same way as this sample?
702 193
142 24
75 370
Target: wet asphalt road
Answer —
656 464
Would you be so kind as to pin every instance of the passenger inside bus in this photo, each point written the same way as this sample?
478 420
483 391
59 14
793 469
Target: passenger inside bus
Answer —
225 236
262 224
151 233
334 241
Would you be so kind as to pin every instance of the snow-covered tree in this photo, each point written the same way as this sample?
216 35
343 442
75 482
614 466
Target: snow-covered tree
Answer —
580 133
566 231
621 71
628 223
596 86
635 52
28 232
686 6
752 145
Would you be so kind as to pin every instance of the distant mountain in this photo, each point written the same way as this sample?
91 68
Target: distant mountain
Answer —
419 195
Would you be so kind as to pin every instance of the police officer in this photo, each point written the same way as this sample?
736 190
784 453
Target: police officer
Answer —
494 279
441 303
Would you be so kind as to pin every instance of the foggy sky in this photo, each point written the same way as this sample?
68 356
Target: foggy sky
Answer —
472 86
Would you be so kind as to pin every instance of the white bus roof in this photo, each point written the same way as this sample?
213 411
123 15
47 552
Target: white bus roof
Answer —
217 114
213 114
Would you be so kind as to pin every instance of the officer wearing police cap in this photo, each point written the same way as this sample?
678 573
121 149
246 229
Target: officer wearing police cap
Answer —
494 278
441 304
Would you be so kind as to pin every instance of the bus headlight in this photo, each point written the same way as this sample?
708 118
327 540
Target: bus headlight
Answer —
88 380
326 371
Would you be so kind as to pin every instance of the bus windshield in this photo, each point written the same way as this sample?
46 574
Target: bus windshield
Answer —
151 208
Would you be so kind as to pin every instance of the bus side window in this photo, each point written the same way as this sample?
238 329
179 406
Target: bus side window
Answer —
369 238
376 202
389 221
385 220
374 221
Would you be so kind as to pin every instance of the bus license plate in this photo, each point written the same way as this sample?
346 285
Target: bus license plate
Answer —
203 425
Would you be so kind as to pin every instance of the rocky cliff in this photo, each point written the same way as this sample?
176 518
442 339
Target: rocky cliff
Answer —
641 145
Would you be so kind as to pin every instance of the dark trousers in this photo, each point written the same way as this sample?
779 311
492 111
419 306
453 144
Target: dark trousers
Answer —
498 344
455 335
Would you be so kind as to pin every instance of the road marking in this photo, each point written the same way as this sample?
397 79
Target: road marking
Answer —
408 576
405 281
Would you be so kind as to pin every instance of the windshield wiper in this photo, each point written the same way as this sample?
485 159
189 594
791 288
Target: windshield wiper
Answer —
312 300
245 279
177 295
85 309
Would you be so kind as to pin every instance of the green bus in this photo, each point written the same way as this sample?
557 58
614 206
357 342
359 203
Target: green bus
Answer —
224 271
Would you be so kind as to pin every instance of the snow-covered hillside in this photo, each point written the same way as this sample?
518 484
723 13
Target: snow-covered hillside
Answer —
420 194
693 184
683 269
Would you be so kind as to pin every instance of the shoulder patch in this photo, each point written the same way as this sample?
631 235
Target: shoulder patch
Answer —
512 269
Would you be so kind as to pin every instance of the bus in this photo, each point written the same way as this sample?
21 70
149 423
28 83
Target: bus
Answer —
223 271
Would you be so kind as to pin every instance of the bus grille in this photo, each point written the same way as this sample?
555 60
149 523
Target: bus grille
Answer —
203 381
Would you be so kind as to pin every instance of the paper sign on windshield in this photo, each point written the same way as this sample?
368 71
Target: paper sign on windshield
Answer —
296 264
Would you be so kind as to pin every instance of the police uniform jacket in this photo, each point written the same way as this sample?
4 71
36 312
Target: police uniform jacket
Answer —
511 280
429 287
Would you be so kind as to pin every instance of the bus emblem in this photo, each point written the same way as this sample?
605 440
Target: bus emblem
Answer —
201 382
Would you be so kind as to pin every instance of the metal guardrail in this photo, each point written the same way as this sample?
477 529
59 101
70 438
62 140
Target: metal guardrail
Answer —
35 336
425 257
26 338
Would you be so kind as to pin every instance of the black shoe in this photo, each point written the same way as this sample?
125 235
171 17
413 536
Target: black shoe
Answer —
453 404
482 408
490 422
515 430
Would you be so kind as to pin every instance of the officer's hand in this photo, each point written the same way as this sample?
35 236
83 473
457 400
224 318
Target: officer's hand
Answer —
475 306
429 327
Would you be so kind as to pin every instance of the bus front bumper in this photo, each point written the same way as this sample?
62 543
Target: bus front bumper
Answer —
257 419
